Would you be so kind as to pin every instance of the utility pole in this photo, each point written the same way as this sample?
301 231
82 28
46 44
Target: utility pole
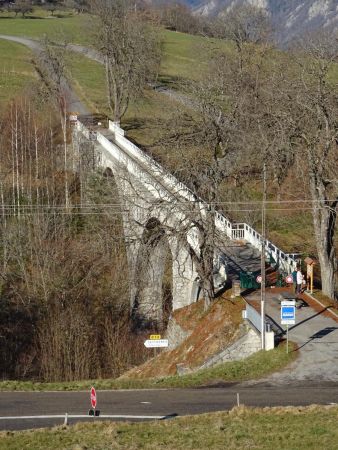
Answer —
263 258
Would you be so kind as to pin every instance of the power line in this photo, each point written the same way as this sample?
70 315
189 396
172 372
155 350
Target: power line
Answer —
109 205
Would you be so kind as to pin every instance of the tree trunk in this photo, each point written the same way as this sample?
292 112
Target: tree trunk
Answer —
324 221
208 292
327 267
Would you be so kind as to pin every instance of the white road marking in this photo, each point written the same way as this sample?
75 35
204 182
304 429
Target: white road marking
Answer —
83 416
146 403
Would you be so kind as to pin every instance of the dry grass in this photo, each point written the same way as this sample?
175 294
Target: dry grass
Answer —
291 428
210 333
326 301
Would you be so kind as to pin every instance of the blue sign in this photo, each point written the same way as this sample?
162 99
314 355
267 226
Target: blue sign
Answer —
288 312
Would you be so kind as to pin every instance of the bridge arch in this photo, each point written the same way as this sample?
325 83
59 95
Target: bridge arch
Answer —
165 278
153 279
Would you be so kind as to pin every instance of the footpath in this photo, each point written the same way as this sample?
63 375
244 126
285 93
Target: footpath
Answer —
315 334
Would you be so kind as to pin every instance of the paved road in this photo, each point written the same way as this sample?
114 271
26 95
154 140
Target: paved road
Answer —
157 402
316 334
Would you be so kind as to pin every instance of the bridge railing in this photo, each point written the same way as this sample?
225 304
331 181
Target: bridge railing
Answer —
283 261
234 231
175 185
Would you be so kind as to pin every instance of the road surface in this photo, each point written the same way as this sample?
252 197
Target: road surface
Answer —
316 336
162 402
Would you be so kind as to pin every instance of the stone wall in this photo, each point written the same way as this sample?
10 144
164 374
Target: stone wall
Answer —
175 334
248 344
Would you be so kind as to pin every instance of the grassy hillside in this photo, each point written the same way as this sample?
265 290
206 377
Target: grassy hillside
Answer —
184 55
69 25
16 70
254 367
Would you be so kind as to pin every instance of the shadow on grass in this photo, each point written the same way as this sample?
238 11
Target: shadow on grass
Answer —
168 81
134 124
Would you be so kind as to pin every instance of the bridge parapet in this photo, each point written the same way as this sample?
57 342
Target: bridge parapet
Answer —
283 260
175 186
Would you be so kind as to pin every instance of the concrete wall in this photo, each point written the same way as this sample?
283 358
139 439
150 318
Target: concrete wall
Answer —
248 344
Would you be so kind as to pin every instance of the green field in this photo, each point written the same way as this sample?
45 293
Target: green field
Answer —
72 27
181 59
16 70
185 56
255 366
291 428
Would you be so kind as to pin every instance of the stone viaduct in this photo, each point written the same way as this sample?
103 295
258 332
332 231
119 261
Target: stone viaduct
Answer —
157 211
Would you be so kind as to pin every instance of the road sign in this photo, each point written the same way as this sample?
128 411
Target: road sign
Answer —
288 312
93 398
153 343
259 278
289 279
155 337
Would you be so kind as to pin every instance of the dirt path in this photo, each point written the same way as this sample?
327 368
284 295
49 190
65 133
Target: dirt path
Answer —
74 104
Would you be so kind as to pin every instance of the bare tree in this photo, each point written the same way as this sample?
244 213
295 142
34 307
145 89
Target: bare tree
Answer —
22 6
80 6
313 94
51 67
130 50
286 108
243 24
52 6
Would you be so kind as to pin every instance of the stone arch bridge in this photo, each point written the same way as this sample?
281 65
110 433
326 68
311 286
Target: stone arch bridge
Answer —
157 211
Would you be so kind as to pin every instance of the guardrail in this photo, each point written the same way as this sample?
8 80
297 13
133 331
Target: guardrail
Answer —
254 317
234 231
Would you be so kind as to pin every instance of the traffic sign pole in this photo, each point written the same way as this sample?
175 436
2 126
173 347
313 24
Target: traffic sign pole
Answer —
287 338
263 237
288 317
93 398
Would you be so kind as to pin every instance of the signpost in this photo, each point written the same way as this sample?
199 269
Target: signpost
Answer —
259 278
309 273
289 279
93 398
156 343
288 317
154 337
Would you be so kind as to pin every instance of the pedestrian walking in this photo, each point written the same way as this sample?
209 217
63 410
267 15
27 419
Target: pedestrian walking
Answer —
294 280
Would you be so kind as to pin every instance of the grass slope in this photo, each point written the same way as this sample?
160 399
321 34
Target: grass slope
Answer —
269 428
210 332
256 366
70 26
16 70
